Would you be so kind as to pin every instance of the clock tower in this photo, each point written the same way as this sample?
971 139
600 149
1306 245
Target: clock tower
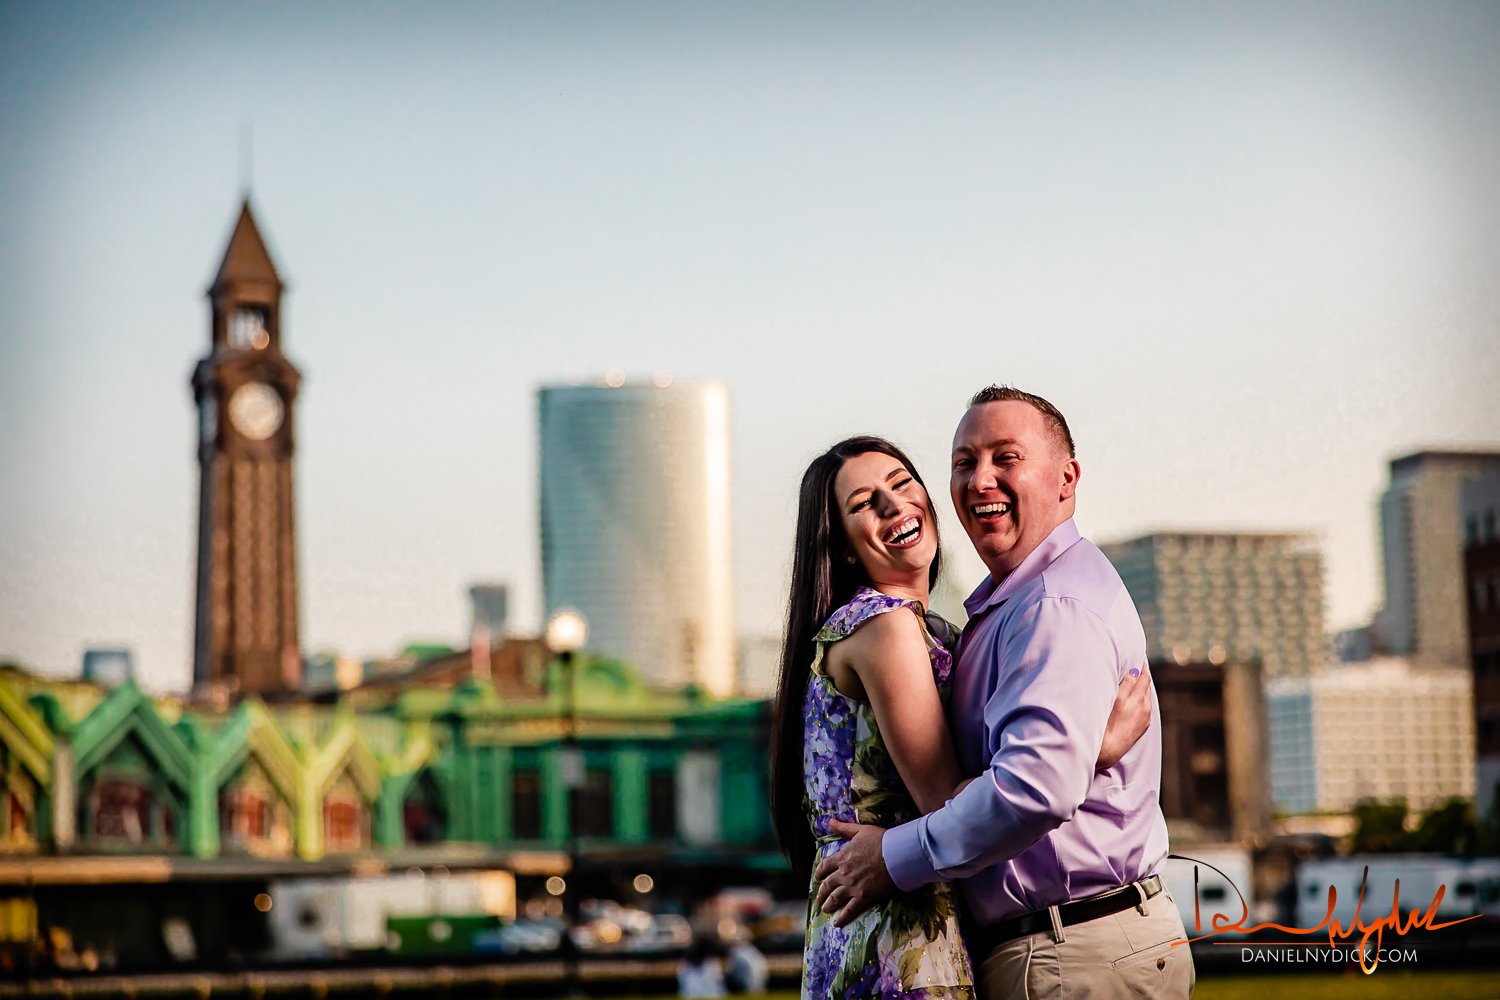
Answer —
245 637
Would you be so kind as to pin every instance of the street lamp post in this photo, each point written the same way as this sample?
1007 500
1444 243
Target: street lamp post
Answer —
567 631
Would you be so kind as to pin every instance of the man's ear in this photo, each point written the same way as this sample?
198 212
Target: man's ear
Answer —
1071 473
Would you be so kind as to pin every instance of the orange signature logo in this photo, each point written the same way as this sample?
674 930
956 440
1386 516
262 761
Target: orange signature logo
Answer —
1417 919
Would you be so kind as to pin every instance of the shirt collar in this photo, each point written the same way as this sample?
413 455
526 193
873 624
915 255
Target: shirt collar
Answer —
988 594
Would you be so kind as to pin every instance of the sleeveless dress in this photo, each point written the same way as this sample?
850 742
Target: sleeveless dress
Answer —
909 945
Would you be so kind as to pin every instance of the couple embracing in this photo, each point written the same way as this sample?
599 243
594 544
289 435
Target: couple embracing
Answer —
978 813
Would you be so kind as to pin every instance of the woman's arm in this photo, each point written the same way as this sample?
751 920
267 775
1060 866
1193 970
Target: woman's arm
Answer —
1129 718
889 661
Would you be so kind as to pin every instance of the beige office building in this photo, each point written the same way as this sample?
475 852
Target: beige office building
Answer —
635 523
1384 729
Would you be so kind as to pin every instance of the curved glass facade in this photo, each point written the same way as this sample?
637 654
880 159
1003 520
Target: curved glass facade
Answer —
635 524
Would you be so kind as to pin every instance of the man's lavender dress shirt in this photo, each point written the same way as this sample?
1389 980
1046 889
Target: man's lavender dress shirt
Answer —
1036 676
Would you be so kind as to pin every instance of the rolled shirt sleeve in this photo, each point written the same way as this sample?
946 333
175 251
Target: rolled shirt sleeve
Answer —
1055 676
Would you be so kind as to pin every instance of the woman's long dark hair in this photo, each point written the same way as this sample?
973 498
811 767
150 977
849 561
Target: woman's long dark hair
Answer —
823 580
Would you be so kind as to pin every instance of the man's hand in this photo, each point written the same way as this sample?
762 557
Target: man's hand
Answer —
1129 718
854 879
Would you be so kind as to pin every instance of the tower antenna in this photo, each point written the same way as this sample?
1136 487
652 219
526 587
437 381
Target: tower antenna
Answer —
247 157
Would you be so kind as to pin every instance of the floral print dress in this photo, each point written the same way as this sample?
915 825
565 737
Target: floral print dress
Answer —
909 945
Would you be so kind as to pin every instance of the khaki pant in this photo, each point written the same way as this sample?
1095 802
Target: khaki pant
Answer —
1126 954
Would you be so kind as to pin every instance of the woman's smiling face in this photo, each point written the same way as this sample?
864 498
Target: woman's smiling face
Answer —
887 516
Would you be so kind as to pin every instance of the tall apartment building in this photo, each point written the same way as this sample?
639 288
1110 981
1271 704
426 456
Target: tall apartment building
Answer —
1227 596
1385 729
635 524
1421 528
1480 506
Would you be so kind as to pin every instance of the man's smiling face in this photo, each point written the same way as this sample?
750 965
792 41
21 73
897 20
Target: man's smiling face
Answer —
1012 481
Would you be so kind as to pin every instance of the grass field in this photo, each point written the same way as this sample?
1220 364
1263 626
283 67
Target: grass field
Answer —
1383 985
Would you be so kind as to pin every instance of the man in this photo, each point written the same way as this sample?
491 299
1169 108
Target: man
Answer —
1059 863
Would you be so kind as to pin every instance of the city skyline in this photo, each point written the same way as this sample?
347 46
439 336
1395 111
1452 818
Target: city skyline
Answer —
1249 253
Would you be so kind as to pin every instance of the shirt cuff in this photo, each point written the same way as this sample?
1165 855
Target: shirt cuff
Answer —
905 860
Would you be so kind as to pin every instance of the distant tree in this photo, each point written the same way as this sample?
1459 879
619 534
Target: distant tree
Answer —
1448 829
1380 828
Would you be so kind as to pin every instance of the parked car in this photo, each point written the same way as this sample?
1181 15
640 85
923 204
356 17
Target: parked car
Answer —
606 925
666 934
782 928
521 937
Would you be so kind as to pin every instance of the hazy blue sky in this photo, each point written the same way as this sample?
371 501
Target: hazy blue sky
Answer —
1252 251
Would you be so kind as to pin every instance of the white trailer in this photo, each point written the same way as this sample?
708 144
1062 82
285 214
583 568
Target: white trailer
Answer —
1469 887
1217 879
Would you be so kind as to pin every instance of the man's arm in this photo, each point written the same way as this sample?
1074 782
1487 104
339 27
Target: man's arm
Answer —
1055 686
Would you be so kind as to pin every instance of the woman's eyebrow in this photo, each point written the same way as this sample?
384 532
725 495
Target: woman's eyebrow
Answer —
856 492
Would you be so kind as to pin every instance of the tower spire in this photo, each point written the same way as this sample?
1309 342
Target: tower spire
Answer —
246 262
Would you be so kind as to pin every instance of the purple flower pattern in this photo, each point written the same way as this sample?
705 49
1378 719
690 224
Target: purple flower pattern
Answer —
909 946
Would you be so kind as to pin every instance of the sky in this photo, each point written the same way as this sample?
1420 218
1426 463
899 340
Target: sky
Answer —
1251 251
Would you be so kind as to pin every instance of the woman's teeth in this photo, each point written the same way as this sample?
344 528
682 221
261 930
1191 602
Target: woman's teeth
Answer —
905 531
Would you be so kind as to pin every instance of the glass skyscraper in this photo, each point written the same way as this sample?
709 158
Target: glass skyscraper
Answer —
635 523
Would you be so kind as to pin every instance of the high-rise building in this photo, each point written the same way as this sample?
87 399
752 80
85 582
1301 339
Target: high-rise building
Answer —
489 604
1213 751
108 666
635 523
1480 504
1294 754
1227 596
245 638
1421 533
1385 730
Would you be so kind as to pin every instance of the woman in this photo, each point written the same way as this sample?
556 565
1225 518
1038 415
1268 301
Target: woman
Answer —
859 732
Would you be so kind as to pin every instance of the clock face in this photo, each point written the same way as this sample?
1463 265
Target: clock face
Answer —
256 410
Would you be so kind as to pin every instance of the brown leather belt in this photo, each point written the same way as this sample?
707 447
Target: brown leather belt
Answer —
983 937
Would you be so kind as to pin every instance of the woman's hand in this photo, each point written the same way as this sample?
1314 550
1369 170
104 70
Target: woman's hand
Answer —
1129 718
